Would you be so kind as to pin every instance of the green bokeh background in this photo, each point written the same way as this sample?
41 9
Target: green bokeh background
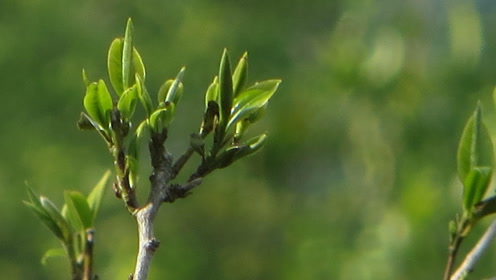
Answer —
357 181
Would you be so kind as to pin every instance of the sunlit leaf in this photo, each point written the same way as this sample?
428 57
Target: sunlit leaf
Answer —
175 91
162 92
96 195
475 148
78 210
139 66
240 75
212 93
114 65
98 103
250 101
51 253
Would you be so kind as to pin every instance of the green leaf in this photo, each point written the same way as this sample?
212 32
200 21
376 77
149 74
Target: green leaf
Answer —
114 65
96 195
78 210
475 187
175 91
475 148
162 92
143 96
162 117
212 93
127 103
47 220
139 66
127 55
62 228
252 100
240 75
85 79
98 103
54 252
225 91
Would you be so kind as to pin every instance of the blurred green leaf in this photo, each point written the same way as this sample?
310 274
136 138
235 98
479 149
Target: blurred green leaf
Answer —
240 76
225 91
98 103
78 210
47 220
475 187
54 252
252 100
127 103
114 65
175 91
96 195
475 148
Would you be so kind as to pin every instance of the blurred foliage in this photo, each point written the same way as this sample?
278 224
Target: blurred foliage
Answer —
357 180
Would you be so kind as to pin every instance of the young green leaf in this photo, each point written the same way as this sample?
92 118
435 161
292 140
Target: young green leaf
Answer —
475 148
96 195
475 187
78 210
114 65
175 91
54 252
240 75
86 81
252 100
162 117
127 103
143 95
139 66
98 103
62 229
212 93
226 95
127 55
162 92
46 219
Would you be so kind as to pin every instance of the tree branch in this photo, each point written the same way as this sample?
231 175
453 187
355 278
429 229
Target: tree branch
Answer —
473 256
162 165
